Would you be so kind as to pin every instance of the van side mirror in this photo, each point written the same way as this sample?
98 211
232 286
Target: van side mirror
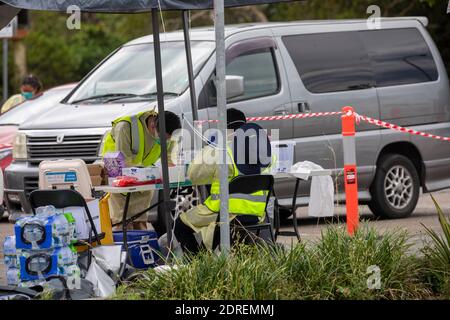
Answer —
235 86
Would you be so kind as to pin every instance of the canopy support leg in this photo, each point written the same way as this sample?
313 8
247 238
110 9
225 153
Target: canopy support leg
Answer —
162 126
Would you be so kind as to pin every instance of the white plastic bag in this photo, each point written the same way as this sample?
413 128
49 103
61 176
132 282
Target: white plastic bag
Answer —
105 259
104 286
321 200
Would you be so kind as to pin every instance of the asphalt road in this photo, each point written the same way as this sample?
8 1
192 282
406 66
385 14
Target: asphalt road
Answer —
424 214
310 228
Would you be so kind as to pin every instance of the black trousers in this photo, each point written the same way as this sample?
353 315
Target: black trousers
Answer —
186 238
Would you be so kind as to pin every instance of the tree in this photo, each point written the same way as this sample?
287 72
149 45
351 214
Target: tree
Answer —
58 55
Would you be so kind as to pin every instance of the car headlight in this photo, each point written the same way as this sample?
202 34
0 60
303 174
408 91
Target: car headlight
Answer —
102 144
5 153
20 147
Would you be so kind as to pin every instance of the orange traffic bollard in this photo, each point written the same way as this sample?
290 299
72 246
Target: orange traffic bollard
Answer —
350 170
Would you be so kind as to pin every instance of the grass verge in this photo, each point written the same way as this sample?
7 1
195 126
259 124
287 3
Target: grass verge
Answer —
335 267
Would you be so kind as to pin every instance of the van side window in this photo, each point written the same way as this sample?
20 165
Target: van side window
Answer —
399 56
330 62
260 74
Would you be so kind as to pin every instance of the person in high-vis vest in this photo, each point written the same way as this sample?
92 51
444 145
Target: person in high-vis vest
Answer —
204 169
137 137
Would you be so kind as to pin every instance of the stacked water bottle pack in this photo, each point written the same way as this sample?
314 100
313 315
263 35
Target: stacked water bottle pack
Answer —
42 247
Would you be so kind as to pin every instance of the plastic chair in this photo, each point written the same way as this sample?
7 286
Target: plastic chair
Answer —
61 199
248 184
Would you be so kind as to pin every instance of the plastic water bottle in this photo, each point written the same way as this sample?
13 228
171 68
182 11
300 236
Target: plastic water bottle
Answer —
72 227
13 277
33 229
66 256
9 251
46 211
36 263
61 231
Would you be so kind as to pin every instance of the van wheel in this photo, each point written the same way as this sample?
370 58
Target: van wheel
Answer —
395 190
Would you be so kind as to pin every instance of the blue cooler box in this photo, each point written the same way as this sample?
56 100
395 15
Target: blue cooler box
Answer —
143 247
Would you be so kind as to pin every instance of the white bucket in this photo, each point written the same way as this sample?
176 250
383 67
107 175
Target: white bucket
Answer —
284 153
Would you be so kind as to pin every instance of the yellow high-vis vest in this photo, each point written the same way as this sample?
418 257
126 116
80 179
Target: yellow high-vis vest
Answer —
248 204
137 142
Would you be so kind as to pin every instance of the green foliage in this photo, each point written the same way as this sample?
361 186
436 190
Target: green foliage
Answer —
437 257
334 268
58 55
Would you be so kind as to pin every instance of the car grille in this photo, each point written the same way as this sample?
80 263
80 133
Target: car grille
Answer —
30 184
80 146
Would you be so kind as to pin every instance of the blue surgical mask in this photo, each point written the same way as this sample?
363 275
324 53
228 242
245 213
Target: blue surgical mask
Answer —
27 95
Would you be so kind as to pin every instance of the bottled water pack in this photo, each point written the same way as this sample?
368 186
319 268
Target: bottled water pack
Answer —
49 228
42 247
37 264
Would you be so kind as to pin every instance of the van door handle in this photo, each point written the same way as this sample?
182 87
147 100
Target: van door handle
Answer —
303 107
280 112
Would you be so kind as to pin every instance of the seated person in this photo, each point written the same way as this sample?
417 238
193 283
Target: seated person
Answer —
205 170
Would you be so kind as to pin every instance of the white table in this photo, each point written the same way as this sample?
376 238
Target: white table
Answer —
129 190
159 186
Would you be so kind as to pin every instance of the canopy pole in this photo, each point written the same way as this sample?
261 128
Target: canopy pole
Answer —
219 23
187 45
162 125
5 70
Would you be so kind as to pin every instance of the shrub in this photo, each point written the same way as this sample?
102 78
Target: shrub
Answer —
437 257
336 267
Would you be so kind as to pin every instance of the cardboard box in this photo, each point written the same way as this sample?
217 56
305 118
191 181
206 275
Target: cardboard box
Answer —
96 181
95 169
142 174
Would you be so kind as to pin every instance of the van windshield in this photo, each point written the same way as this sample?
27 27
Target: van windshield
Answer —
130 72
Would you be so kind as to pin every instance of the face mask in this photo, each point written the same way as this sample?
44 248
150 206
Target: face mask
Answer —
27 95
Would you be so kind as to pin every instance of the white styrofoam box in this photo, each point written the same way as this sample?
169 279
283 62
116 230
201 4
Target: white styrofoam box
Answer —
65 174
284 152
142 174
83 226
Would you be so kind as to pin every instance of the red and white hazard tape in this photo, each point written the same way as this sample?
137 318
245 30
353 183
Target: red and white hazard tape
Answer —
5 145
358 118
295 116
395 127
283 117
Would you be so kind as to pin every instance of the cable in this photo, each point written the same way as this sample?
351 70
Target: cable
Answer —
162 20
212 144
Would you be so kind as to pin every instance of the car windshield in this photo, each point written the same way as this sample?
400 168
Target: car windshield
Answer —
31 108
130 72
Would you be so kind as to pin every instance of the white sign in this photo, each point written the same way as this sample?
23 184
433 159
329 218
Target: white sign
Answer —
10 30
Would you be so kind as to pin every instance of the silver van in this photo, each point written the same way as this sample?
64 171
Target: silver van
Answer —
394 73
